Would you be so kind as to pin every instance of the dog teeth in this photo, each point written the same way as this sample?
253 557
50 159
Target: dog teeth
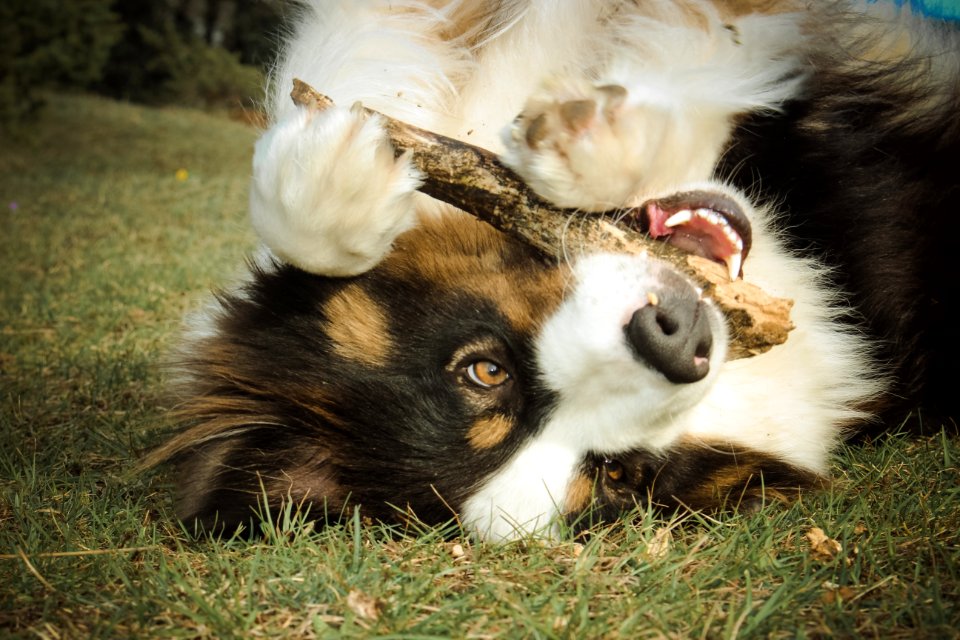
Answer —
718 221
710 216
733 264
680 217
684 216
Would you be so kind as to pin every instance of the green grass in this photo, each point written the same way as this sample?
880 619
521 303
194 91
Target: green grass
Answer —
102 255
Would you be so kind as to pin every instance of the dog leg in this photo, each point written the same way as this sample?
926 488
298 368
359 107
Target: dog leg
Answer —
597 148
328 195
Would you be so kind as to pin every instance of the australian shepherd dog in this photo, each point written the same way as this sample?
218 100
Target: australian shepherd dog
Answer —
388 352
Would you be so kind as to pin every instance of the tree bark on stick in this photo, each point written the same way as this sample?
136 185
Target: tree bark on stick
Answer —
472 179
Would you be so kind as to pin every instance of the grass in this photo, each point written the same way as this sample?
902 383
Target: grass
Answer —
102 252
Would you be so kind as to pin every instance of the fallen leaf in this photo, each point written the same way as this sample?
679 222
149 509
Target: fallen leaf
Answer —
833 592
822 547
560 623
660 543
367 607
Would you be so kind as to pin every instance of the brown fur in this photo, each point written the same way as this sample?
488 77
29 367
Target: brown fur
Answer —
357 327
490 431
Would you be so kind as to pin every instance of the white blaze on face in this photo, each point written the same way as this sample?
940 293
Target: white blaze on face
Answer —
609 401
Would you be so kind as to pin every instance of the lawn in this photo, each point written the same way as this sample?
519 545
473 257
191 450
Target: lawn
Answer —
114 220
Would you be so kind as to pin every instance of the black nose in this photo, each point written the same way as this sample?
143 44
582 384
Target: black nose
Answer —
673 336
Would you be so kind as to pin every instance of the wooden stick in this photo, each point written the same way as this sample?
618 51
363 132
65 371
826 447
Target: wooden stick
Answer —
472 179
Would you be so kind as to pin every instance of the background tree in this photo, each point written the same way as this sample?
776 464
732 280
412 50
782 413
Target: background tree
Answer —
192 52
46 43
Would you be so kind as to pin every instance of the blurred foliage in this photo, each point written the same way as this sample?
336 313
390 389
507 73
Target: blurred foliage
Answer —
170 67
192 52
47 43
201 53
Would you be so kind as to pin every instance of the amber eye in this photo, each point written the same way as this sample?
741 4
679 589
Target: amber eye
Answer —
613 469
487 374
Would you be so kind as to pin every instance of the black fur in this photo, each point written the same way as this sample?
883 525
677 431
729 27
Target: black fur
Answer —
328 432
867 181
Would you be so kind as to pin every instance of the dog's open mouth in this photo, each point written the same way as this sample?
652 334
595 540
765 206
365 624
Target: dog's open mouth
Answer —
706 224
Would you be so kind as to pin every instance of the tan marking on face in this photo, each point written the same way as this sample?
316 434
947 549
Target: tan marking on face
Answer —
357 326
579 494
490 431
461 254
526 301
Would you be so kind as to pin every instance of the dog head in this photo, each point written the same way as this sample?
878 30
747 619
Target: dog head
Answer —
463 376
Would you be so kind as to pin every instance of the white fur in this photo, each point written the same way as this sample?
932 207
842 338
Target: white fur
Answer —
381 53
609 400
328 195
684 85
524 496
793 400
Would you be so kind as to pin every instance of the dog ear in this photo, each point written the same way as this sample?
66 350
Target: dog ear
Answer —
240 480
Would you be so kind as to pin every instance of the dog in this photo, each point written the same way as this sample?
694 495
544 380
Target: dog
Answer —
388 352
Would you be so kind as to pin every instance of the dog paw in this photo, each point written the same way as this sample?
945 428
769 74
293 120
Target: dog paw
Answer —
328 194
595 148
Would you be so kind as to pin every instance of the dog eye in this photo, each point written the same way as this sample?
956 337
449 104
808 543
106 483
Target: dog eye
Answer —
613 469
487 374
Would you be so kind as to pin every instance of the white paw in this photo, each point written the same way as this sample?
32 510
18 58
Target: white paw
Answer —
598 148
328 195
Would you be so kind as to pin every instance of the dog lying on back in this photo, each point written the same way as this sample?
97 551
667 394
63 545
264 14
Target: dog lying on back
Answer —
390 352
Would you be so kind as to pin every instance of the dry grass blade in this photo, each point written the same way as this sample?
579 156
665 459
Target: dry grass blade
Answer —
77 554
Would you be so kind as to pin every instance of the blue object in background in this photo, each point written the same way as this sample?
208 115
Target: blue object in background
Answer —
946 9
